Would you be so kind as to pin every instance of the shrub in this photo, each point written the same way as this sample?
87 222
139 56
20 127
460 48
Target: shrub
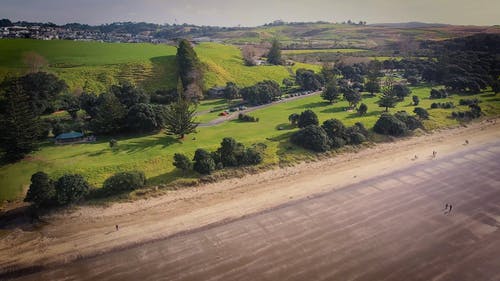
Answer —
251 157
41 191
387 124
334 128
354 136
312 137
306 118
468 101
421 113
362 129
247 118
182 162
71 188
125 181
410 121
293 118
416 100
438 94
474 112
446 105
203 162
362 109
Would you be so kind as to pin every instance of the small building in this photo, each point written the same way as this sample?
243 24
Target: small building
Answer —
69 137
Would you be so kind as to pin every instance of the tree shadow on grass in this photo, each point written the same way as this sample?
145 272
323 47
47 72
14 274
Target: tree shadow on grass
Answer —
145 143
285 126
368 114
311 105
334 109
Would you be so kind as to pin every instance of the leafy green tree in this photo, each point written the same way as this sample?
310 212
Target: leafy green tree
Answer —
388 98
308 80
293 118
288 83
179 118
306 118
71 188
144 118
362 109
41 191
128 94
89 102
203 162
109 115
124 181
495 86
421 113
372 87
312 137
274 55
410 121
387 124
353 97
401 91
261 93
190 71
70 103
42 89
231 91
231 152
416 100
182 162
331 91
19 124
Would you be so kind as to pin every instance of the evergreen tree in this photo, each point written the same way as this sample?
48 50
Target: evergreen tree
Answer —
389 98
179 118
19 124
190 71
331 91
274 55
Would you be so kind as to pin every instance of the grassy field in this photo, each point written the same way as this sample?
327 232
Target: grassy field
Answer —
153 153
95 66
312 51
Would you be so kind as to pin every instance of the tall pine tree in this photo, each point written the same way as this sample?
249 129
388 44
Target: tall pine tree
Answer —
190 71
274 55
19 124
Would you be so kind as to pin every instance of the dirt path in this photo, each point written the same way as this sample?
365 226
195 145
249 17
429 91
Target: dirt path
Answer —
87 231
234 115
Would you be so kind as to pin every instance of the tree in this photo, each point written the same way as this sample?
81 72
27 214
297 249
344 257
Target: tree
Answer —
293 118
387 124
34 62
88 102
288 83
128 94
124 181
372 87
306 118
231 152
421 113
401 91
144 118
388 98
41 191
312 137
203 162
71 188
274 55
180 118
308 80
231 91
248 53
416 100
19 124
335 131
261 93
495 86
331 91
109 115
190 71
182 162
362 109
410 121
353 97
70 103
42 89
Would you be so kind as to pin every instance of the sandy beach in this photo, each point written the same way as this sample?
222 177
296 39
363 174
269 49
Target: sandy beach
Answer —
86 231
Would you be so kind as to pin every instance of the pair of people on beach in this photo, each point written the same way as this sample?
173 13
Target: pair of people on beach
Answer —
447 208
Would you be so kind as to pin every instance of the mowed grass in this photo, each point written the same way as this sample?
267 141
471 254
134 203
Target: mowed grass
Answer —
94 66
153 153
313 51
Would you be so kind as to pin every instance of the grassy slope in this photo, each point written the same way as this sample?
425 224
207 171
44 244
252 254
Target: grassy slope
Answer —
154 153
97 65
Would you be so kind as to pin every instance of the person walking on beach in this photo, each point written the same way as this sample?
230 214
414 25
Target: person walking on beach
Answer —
446 207
116 226
434 153
450 209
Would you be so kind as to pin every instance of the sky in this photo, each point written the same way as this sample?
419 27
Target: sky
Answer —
252 12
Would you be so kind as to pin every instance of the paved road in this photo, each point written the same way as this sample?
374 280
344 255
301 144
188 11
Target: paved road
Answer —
234 115
388 228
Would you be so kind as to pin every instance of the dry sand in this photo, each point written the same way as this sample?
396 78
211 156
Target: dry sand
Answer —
88 231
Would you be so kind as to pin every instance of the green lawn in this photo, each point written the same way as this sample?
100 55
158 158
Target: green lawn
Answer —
153 153
95 66
311 51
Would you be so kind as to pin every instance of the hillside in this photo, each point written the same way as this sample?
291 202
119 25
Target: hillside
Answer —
96 65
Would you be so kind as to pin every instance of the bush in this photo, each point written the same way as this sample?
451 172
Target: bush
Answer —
468 101
446 105
387 124
354 136
334 128
203 162
312 137
293 118
421 113
247 118
438 94
182 162
362 109
41 191
71 188
410 121
306 118
362 129
251 157
125 181
474 112
416 100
